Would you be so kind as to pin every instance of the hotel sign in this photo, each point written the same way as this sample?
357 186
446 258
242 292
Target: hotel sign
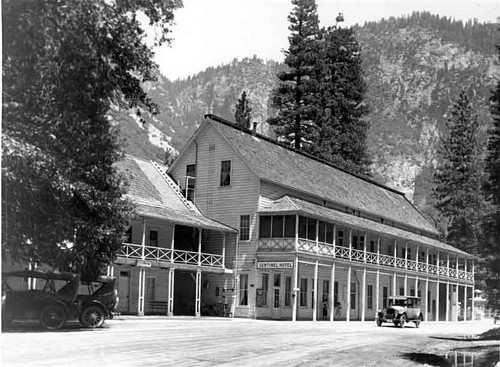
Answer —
275 265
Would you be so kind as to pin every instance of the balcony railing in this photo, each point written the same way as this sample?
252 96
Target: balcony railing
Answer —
341 252
152 253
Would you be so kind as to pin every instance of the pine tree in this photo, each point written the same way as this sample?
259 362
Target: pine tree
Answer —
65 64
243 114
292 98
458 178
491 248
342 129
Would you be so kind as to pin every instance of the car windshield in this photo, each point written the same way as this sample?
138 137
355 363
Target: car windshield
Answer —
397 302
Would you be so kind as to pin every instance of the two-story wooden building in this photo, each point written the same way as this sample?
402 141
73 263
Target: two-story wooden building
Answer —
310 232
176 260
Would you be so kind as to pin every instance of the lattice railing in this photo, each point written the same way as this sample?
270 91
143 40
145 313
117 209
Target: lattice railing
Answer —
325 249
411 265
371 258
357 255
400 263
386 260
307 245
422 267
277 244
342 252
134 251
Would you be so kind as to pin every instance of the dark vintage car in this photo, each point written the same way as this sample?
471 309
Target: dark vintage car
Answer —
53 298
401 309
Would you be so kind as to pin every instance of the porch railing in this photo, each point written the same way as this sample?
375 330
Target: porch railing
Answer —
152 253
341 252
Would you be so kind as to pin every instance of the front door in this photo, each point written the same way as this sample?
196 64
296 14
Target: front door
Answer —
276 296
124 292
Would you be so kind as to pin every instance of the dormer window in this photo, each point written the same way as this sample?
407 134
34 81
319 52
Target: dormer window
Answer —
225 173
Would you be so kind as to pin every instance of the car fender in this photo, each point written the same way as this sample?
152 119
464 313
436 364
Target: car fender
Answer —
95 303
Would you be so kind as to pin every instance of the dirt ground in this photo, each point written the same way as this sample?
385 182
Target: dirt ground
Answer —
157 341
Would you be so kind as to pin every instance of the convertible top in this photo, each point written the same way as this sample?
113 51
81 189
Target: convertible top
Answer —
41 274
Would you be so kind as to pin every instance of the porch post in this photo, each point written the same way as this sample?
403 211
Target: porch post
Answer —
350 244
224 250
426 315
406 258
377 285
332 292
363 293
465 290
406 284
416 270
395 252
296 232
473 309
172 245
348 291
394 281
171 279
437 300
447 314
142 285
199 246
427 260
143 238
315 298
197 307
295 293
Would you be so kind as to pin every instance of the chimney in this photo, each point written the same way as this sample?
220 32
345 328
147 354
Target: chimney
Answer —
254 128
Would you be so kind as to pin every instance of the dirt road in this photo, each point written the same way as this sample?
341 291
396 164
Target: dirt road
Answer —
131 341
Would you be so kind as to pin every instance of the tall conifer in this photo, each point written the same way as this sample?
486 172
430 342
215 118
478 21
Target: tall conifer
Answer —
458 178
296 114
243 114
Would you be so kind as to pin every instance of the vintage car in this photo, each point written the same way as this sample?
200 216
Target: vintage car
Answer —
53 298
401 309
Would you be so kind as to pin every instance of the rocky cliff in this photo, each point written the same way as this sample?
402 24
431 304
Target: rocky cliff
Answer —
415 68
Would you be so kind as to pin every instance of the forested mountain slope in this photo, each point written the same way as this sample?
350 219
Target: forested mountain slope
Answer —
415 68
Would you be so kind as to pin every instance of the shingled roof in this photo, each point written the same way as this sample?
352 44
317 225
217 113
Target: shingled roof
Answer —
156 195
288 204
286 167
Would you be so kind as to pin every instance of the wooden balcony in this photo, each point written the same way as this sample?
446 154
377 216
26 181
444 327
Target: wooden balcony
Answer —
360 256
151 253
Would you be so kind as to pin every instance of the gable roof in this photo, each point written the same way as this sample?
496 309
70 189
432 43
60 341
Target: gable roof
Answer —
288 204
284 166
156 195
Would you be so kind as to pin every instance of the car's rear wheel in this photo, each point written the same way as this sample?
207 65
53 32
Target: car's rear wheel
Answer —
418 321
53 317
402 321
92 317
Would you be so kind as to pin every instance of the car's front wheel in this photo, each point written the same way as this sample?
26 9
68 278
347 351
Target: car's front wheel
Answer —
418 321
402 321
92 317
53 317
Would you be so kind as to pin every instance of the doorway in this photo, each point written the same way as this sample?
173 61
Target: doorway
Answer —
124 292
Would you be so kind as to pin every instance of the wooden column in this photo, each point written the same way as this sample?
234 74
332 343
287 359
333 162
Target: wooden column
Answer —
350 244
315 290
426 314
363 295
295 294
437 300
332 292
170 294
465 291
394 281
172 245
224 250
395 252
199 246
348 295
142 285
447 313
197 308
143 242
377 285
296 232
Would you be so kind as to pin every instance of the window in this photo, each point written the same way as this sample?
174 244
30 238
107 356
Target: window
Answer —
303 292
340 238
277 285
307 228
389 250
265 226
401 291
153 238
369 297
277 279
288 291
245 227
129 234
353 296
428 301
190 181
354 242
278 223
335 292
372 246
225 173
243 290
276 226
150 288
326 290
265 288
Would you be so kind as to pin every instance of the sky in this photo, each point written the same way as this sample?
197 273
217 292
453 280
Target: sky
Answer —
214 32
